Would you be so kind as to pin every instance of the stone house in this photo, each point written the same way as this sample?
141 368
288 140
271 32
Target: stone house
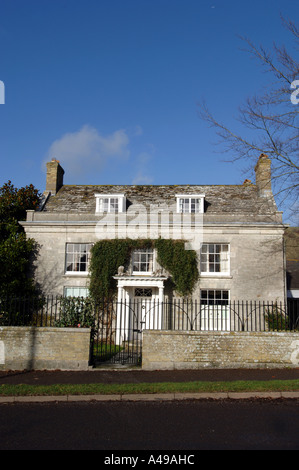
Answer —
236 231
292 262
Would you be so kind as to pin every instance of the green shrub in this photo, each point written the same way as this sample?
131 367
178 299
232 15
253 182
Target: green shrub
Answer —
76 312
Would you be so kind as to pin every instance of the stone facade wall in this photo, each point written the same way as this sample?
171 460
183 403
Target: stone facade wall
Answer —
197 350
256 263
256 259
26 348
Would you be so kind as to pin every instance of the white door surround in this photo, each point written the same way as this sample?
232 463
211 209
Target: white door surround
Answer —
126 286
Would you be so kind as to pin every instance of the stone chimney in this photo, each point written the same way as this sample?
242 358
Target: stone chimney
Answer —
263 175
54 176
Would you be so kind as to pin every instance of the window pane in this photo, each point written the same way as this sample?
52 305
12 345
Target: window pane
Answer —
214 258
113 205
143 260
75 292
195 205
184 205
104 202
69 262
77 257
214 297
203 267
83 263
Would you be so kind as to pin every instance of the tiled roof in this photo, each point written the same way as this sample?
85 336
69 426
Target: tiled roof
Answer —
222 200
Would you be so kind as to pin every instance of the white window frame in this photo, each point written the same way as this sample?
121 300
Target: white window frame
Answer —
213 299
144 251
108 205
79 254
189 206
224 258
215 310
72 291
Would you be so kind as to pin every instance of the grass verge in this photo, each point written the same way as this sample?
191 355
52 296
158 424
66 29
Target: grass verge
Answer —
138 388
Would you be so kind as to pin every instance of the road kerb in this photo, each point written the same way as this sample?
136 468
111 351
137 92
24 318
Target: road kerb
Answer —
147 396
150 397
98 397
290 394
201 396
248 395
40 398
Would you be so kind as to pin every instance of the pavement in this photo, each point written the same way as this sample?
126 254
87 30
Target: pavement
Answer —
117 376
137 375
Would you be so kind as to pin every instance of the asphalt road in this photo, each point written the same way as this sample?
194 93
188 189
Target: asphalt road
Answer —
188 426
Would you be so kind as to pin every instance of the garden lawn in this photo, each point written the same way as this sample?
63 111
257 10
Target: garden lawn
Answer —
142 388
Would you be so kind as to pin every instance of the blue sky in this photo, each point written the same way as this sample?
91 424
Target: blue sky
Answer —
110 87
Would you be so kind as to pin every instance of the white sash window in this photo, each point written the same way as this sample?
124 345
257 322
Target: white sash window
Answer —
214 258
111 203
190 203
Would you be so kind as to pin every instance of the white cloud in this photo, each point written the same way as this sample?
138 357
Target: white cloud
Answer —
143 175
141 178
86 150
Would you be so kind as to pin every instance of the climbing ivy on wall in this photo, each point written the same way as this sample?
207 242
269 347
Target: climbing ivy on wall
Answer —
180 263
108 255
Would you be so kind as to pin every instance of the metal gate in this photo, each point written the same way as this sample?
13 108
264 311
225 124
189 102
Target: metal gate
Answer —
117 337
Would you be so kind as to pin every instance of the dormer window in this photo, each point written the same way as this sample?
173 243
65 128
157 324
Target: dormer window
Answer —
190 203
111 203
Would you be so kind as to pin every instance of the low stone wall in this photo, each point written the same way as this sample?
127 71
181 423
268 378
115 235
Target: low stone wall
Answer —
197 350
26 348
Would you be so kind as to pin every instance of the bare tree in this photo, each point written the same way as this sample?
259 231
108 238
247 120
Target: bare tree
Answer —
271 119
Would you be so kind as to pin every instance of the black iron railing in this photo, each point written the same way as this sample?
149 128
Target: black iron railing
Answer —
116 327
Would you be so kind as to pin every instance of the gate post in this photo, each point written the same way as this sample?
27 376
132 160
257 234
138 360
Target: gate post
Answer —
160 307
119 318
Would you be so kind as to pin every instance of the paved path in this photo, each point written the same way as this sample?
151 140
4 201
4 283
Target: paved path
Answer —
139 376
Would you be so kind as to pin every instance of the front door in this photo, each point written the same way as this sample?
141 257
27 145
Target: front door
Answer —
143 308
